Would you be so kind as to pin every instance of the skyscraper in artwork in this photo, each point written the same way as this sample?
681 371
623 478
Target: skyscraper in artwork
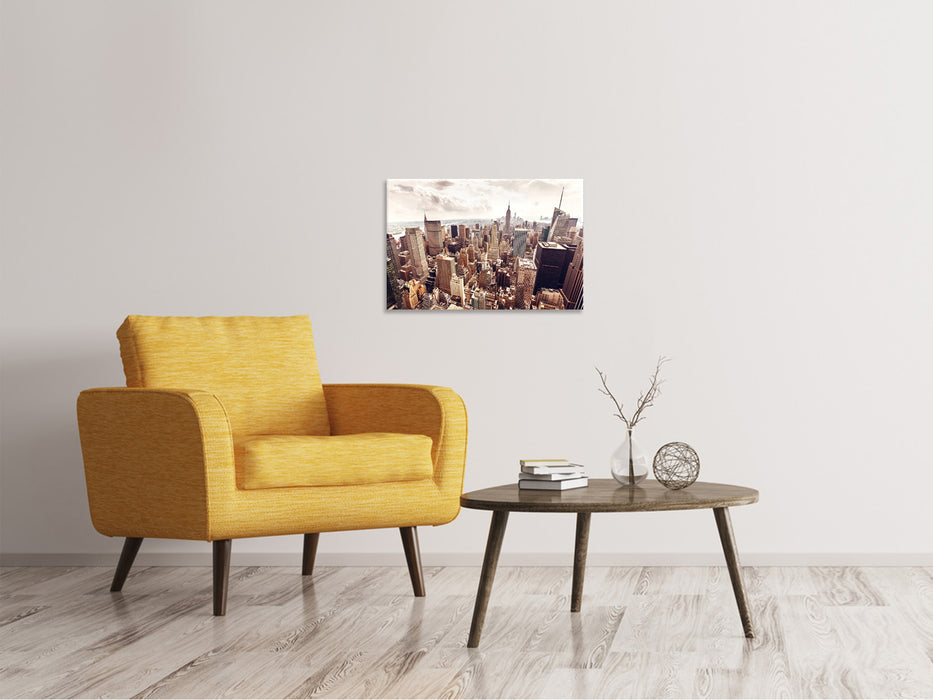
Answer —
434 231
558 212
525 284
552 260
456 288
561 229
573 282
492 254
419 261
445 272
520 242
392 251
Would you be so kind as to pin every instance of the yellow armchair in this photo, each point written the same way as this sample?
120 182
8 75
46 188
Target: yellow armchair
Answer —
225 431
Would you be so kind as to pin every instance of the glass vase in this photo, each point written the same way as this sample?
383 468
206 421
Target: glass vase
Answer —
629 462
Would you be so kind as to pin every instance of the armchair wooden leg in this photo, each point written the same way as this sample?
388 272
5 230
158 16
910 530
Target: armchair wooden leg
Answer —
413 557
221 575
127 557
308 553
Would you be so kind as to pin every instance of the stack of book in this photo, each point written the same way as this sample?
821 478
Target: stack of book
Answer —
551 475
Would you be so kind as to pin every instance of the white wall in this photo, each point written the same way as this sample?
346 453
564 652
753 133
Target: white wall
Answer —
758 207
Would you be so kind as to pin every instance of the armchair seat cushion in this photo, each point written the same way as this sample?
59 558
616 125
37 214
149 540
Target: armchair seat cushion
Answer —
276 461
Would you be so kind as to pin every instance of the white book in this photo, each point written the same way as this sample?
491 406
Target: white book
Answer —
547 463
551 477
553 485
568 469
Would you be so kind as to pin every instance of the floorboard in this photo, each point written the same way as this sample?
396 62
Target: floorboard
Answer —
350 632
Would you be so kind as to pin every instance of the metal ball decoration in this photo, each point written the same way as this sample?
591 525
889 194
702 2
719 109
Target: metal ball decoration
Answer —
676 465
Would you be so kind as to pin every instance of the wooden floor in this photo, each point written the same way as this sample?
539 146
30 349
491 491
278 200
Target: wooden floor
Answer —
358 632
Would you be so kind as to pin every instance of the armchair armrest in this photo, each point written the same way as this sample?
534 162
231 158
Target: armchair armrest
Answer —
150 456
435 411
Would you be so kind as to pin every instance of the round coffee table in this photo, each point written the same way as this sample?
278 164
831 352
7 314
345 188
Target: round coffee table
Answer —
603 496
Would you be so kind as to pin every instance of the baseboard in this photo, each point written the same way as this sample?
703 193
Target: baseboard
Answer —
476 559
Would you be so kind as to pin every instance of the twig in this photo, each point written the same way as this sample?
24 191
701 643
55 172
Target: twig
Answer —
645 399
605 390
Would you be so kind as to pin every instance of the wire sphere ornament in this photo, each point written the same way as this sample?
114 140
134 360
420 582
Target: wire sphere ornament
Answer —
676 465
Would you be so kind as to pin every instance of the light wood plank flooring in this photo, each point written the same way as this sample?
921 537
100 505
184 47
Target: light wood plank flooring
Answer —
359 632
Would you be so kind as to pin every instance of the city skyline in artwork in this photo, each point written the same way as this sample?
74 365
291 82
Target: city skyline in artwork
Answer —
484 245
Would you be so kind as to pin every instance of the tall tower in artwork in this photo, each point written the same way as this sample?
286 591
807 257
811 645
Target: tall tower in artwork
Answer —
492 255
445 272
435 235
520 242
457 289
558 212
419 261
525 283
552 260
573 283
508 219
392 251
561 230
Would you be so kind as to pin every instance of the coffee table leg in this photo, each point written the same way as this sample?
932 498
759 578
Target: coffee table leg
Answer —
724 524
579 560
493 546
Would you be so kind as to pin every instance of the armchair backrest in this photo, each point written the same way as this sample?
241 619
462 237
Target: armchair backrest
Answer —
263 369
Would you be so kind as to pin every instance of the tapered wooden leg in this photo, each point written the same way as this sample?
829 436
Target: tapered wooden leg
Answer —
724 525
127 557
221 575
579 560
413 557
308 553
490 560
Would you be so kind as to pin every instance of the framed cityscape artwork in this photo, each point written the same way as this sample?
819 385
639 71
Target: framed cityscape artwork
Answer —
484 245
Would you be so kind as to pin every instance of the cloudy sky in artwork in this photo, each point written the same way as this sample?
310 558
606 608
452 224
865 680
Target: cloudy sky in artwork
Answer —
410 200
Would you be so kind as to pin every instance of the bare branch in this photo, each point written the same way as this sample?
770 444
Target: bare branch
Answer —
645 399
605 390
654 390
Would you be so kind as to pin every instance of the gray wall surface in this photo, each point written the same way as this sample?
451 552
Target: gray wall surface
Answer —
757 207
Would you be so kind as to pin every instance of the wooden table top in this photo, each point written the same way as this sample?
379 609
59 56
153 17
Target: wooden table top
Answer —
609 496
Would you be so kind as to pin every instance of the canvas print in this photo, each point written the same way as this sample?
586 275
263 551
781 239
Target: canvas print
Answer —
484 245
